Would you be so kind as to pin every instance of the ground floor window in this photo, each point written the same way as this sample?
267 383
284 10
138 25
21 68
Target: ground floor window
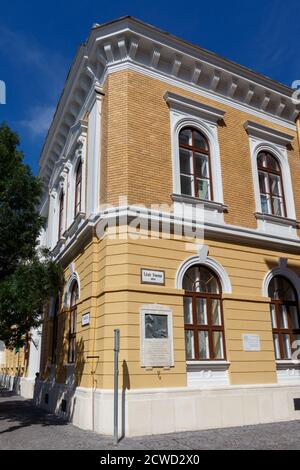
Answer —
284 316
203 315
73 323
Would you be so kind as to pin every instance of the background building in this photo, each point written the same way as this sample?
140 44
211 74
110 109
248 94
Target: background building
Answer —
155 133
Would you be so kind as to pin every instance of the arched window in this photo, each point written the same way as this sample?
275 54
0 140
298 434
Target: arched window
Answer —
61 215
195 171
203 315
78 189
270 185
284 316
73 323
55 330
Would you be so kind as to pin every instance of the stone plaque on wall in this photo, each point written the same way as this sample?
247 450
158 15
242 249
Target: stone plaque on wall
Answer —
251 342
156 336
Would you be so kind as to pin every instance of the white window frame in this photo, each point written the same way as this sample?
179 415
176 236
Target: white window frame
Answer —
288 371
188 113
263 139
202 374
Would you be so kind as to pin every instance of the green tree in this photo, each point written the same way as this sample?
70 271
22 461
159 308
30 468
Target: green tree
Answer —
28 276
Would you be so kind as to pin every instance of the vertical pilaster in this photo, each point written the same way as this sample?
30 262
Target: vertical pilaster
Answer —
94 155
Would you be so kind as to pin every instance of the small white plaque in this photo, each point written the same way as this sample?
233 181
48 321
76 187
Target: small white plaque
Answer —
85 319
149 276
251 342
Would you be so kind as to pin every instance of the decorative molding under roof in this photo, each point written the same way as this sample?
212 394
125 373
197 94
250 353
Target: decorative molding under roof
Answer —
180 103
267 133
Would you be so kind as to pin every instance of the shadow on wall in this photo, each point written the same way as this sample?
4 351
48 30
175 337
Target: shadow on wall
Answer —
125 386
56 392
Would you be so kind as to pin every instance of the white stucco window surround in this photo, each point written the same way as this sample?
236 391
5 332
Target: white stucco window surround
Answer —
78 158
210 373
210 263
74 278
262 138
288 371
188 113
281 270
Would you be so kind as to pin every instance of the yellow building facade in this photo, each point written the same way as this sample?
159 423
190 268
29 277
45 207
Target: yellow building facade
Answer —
172 199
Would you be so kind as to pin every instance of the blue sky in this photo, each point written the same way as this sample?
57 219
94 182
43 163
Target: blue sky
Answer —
38 41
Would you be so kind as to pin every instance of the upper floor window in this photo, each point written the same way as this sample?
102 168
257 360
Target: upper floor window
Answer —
270 185
61 215
284 316
78 189
195 171
203 315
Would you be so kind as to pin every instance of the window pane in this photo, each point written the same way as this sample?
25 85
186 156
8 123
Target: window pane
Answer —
185 137
188 310
281 289
273 315
200 141
295 317
276 346
263 182
296 347
189 344
203 189
272 163
287 346
218 345
262 160
203 344
186 185
216 312
275 185
200 279
185 161
201 165
265 204
283 317
201 311
278 206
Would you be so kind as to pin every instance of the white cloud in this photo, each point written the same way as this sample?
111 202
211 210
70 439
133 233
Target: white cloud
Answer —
48 71
38 120
47 66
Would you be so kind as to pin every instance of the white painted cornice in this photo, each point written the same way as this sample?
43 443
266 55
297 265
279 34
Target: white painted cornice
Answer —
129 42
267 133
180 103
212 231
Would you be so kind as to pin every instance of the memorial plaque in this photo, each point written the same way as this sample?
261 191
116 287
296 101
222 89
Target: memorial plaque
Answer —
156 337
156 326
251 342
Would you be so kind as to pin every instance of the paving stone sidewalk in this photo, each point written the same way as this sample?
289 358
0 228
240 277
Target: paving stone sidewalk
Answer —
23 426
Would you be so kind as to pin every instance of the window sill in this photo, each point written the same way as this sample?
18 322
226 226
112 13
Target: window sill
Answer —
212 205
287 364
207 365
276 219
74 225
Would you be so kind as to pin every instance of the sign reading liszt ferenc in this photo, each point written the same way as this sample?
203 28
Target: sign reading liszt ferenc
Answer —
150 276
156 336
